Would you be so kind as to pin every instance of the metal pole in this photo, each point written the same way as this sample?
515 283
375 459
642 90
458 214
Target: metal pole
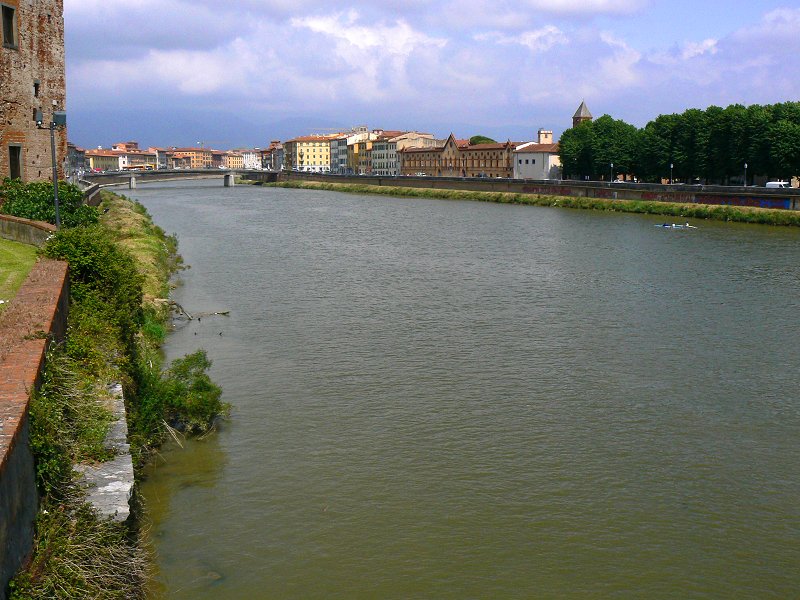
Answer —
745 174
670 173
55 171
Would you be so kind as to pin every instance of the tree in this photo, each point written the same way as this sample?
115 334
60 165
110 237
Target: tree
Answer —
481 139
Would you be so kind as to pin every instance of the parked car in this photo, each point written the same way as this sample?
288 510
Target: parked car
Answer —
777 184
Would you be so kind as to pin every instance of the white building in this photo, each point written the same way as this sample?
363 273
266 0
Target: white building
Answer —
539 159
251 159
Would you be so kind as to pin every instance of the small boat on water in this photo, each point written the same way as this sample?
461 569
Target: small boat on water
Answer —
676 226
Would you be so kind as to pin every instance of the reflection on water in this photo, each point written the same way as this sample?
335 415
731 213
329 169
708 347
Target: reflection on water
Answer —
452 399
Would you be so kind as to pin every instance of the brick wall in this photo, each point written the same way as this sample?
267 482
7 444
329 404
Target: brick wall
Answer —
37 56
36 316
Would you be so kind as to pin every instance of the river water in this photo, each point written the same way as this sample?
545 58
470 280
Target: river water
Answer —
440 399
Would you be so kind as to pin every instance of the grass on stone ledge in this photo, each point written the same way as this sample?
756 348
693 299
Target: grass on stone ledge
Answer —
740 214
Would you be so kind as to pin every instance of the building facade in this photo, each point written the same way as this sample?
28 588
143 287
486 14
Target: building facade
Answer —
539 159
311 153
458 158
32 78
199 158
385 159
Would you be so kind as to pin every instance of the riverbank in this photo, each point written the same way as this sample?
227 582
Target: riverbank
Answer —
739 214
119 273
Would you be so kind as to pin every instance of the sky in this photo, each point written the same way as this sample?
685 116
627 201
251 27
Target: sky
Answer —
243 72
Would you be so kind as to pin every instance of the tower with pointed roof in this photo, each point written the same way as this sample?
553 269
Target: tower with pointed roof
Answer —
581 115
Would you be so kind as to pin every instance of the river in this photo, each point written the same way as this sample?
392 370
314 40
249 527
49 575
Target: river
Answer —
444 399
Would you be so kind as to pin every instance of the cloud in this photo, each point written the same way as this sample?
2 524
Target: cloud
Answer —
488 63
692 49
539 40
586 7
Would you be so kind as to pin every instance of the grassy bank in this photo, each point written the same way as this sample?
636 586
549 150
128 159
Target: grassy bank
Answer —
119 283
740 214
16 261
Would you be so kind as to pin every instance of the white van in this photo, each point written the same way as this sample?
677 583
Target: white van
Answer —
776 184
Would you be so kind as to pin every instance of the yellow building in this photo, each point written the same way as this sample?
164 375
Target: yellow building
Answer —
233 160
309 153
102 160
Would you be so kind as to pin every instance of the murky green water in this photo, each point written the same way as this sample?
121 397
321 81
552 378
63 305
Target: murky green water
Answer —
439 399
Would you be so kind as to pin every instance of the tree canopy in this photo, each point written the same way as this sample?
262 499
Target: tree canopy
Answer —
710 145
481 139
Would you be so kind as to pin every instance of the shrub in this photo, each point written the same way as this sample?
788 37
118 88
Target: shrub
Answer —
102 275
35 201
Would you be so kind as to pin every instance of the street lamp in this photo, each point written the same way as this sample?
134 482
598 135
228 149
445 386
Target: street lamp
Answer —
59 119
612 172
745 174
670 173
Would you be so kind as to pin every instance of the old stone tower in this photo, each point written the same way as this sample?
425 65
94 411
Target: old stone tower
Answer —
581 115
32 78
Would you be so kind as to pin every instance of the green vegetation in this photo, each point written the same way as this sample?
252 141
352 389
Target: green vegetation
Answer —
16 261
113 334
742 214
481 139
709 145
35 201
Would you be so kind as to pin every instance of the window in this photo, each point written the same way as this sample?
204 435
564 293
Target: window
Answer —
15 162
36 85
9 27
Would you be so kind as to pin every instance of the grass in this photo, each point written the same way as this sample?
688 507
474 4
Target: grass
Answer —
741 214
16 261
135 231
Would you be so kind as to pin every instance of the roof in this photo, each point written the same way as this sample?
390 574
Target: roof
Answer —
534 147
313 138
582 112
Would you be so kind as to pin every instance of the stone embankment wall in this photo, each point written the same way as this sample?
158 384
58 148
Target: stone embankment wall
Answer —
35 317
34 233
788 199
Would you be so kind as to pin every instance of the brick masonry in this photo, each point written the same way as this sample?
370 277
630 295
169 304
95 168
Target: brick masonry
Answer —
37 57
35 317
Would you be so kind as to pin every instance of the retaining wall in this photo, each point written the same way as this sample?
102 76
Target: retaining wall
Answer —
34 233
788 199
36 316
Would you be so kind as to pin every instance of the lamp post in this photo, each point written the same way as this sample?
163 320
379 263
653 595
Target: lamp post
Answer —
670 173
612 173
745 174
59 119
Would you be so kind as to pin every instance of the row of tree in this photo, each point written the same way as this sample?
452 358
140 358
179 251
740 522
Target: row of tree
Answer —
710 146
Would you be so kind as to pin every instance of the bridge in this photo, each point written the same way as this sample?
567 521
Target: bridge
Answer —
131 178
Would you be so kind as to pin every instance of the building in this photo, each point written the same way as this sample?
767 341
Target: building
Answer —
384 149
199 158
539 159
342 151
459 158
310 153
251 158
233 160
339 155
99 161
272 157
76 160
162 157
131 157
581 115
32 78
